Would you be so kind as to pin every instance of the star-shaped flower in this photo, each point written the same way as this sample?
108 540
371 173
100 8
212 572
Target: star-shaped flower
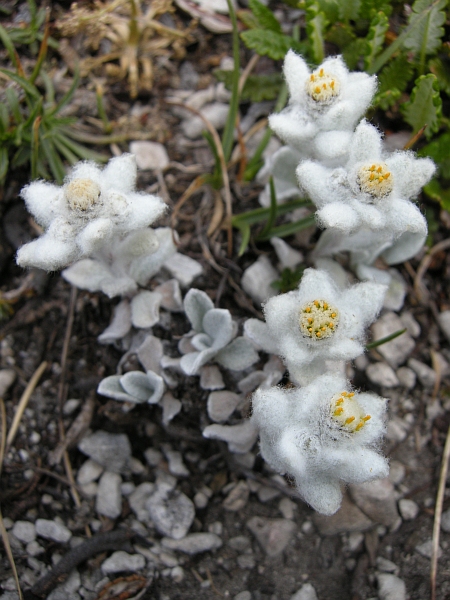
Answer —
368 201
86 212
319 322
323 435
324 107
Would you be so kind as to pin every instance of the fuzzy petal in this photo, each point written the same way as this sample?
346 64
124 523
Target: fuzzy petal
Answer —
366 144
94 235
293 126
410 173
238 355
340 216
44 201
259 333
322 493
315 180
191 363
296 73
331 147
120 173
47 253
144 209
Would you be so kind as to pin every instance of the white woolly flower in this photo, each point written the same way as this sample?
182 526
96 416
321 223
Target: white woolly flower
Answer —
85 213
324 107
281 166
320 322
323 435
122 265
368 201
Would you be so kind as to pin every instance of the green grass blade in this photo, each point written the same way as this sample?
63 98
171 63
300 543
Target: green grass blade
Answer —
245 232
289 228
273 210
385 340
27 87
228 132
261 214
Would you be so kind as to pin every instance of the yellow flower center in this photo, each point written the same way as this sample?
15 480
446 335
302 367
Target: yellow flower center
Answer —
347 413
322 87
318 319
82 194
375 180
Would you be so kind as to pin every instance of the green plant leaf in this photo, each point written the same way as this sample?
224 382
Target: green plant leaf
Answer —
369 8
441 69
267 43
354 52
257 88
264 16
289 279
395 75
289 228
425 37
438 150
340 34
436 192
424 106
245 233
27 87
230 125
330 9
375 38
387 99
316 22
349 9
385 340
3 162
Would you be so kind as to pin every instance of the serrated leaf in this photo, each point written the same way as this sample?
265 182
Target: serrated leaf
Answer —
396 74
375 38
441 69
330 8
387 99
353 52
340 34
424 106
426 36
349 9
369 8
248 18
316 23
267 43
265 17
438 150
257 88
436 192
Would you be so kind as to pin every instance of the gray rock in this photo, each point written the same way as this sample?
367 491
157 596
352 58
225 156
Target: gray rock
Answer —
410 323
396 430
397 472
109 495
239 543
24 531
397 350
122 561
387 566
237 498
172 512
348 518
306 592
377 500
426 375
245 595
111 450
246 561
382 374
426 549
194 543
257 279
445 521
406 377
176 464
88 472
390 587
444 323
222 405
216 113
52 530
7 377
408 509
177 574
153 457
287 507
272 534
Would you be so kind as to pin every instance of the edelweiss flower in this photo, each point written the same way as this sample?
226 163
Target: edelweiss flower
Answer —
213 333
319 322
86 212
324 107
322 435
120 266
369 198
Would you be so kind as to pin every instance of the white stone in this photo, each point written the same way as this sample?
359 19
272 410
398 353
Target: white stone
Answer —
138 499
7 378
215 113
183 268
176 464
52 530
122 561
382 374
390 587
397 350
149 155
387 566
408 509
272 534
425 549
109 496
194 543
397 472
286 508
111 450
172 512
177 574
406 377
88 472
24 531
221 405
306 592
426 375
245 595
34 549
211 378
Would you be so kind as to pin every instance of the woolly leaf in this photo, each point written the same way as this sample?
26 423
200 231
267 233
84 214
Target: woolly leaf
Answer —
349 9
375 38
265 17
426 22
267 43
424 106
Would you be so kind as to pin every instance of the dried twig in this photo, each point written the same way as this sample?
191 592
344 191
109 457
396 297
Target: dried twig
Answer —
9 554
23 403
419 286
438 514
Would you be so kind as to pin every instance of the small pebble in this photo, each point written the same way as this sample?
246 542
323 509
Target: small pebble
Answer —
245 595
425 549
246 561
287 507
194 543
89 471
122 561
306 592
237 498
445 520
52 530
109 496
177 574
426 374
24 531
408 509
406 377
382 374
390 587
